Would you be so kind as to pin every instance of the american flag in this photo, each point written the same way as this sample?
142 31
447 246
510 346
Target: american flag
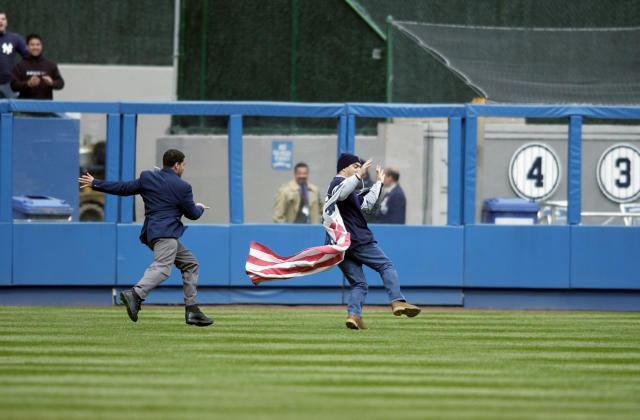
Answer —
265 265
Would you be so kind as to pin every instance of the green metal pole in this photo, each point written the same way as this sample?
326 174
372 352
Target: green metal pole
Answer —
203 54
293 96
183 26
389 59
294 49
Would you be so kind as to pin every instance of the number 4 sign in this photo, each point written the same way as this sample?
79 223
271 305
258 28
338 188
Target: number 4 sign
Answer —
618 173
534 171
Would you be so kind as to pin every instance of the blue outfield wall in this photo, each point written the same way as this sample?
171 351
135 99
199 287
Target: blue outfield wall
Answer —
6 250
605 257
517 256
69 254
445 265
541 267
208 243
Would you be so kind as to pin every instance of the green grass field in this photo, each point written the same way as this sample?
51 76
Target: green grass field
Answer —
279 363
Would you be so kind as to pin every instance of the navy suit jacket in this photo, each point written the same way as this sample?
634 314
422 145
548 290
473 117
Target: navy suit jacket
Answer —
166 199
396 204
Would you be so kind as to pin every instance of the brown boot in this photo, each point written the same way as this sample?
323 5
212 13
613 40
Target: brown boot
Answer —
403 308
355 323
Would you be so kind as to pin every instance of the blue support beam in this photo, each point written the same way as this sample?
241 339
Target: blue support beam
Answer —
236 204
342 135
112 169
574 192
351 133
454 175
469 158
6 167
128 163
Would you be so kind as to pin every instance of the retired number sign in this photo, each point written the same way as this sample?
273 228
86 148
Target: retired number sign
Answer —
534 171
619 173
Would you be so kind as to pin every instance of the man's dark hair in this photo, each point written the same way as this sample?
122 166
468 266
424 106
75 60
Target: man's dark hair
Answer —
33 36
393 174
171 157
300 165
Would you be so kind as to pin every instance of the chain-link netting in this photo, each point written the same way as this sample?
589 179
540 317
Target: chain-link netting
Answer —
538 65
440 52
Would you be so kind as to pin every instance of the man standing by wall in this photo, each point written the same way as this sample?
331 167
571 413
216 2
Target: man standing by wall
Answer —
10 43
298 201
166 199
393 206
35 77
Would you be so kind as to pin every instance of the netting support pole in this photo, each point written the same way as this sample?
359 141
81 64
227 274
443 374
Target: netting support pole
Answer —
389 59
203 54
574 192
183 27
176 48
294 56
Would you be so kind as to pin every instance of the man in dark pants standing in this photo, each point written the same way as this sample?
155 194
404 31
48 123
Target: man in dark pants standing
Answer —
166 199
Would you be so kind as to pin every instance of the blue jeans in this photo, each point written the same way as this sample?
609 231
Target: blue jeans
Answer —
372 256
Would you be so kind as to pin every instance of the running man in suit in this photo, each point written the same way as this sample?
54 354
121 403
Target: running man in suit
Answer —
166 199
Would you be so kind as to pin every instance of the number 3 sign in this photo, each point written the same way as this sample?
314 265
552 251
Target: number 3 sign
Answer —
534 171
618 173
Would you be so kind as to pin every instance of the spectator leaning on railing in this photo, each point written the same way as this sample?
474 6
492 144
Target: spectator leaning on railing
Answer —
35 77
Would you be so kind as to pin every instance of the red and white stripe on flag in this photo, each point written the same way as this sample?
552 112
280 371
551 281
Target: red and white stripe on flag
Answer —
265 265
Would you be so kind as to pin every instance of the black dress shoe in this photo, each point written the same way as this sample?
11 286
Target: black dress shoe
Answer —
132 301
193 316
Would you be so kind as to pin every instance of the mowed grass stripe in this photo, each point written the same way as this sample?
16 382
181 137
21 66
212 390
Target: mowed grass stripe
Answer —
289 364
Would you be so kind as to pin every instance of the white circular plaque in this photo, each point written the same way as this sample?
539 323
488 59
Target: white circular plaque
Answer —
534 171
618 173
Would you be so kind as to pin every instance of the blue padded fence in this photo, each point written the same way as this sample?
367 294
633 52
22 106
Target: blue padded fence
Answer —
451 265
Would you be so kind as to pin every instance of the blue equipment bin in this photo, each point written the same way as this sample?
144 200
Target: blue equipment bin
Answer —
510 211
39 208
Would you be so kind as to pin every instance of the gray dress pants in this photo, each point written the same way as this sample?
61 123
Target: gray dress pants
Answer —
166 252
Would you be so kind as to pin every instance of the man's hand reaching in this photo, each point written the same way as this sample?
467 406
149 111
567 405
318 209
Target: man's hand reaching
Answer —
86 180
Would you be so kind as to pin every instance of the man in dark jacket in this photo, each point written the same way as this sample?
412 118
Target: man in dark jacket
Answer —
10 44
393 206
166 199
35 77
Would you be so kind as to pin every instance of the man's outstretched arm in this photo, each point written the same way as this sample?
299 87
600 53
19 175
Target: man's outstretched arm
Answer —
110 187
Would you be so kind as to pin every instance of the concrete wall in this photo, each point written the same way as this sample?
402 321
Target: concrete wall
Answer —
207 169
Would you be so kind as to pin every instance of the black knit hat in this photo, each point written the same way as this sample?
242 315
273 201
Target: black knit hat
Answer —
345 160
